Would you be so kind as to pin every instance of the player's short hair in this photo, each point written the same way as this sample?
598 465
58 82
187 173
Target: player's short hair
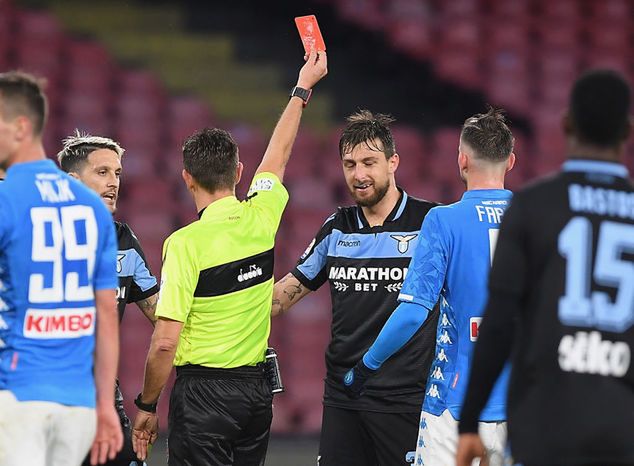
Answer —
488 135
21 94
210 156
599 108
365 127
79 146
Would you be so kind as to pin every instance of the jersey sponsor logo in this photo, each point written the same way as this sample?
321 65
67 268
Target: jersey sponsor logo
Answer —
474 328
445 338
252 272
403 242
437 374
54 190
349 244
588 353
59 323
393 287
366 277
262 184
368 273
433 391
340 286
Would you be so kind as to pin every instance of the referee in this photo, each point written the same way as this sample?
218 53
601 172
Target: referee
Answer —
215 300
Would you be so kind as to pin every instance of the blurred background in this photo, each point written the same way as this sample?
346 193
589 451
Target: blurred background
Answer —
149 73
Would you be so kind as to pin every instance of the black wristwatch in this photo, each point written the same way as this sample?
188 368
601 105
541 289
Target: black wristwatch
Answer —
150 408
302 93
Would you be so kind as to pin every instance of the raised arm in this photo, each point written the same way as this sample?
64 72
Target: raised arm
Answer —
279 148
286 293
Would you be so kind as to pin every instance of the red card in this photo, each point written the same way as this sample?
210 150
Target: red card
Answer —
310 33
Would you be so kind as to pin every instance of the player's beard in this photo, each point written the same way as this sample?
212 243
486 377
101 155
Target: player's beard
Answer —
379 193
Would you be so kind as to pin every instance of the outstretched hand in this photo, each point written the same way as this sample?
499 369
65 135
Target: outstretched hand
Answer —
144 433
315 68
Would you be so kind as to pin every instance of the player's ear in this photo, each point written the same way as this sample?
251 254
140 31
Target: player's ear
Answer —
74 175
188 179
510 163
567 125
393 162
239 170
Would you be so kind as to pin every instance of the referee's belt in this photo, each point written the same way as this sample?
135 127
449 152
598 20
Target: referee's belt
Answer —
242 372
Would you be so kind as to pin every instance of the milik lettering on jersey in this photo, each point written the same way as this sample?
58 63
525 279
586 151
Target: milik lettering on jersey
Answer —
57 190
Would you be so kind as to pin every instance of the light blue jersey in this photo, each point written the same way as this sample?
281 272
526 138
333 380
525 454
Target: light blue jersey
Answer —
57 246
451 266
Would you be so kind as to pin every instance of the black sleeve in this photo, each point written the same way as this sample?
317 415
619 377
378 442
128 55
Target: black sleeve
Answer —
311 266
144 284
495 341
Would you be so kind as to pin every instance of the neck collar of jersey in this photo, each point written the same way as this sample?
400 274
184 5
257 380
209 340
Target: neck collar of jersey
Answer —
596 166
218 206
396 212
487 194
46 164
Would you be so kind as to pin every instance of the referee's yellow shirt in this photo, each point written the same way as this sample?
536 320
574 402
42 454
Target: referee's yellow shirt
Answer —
217 278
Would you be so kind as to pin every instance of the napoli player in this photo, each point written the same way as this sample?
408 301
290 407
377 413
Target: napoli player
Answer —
451 266
57 299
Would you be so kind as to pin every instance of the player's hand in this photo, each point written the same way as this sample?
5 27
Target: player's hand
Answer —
109 438
315 68
470 447
144 433
355 379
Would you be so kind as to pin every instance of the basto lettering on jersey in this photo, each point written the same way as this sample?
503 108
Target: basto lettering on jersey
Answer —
601 201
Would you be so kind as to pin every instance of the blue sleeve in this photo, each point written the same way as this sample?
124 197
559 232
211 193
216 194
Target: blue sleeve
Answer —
105 276
5 218
311 267
404 322
428 268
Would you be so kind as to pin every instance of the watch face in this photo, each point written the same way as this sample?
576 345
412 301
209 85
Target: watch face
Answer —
301 93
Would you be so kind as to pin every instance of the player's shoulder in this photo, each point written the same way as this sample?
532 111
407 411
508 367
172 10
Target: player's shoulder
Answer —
418 208
125 235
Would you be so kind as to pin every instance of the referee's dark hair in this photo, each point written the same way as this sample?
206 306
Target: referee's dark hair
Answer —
21 94
599 108
488 135
210 156
364 127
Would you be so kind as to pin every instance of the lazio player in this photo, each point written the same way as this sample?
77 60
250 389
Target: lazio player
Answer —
451 266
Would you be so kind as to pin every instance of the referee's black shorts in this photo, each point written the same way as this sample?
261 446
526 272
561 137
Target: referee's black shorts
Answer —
366 438
219 417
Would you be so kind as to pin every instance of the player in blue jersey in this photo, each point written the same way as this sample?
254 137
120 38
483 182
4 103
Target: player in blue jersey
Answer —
58 319
451 267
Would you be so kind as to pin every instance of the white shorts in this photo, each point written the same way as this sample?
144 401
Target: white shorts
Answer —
438 440
42 433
